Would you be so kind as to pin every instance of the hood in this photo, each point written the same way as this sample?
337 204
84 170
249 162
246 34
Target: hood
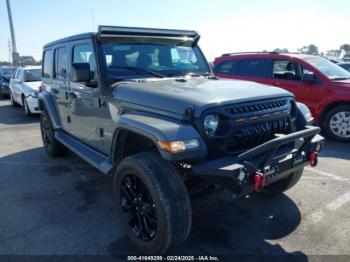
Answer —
175 95
33 85
342 82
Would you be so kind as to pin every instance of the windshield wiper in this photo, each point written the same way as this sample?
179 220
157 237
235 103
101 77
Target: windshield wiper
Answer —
140 69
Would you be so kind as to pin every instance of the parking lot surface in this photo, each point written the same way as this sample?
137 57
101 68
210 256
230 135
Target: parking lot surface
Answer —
65 207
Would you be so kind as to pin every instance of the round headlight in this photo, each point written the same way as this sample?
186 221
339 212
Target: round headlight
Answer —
211 123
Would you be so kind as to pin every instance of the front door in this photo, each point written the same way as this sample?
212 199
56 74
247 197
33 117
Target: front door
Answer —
289 75
85 107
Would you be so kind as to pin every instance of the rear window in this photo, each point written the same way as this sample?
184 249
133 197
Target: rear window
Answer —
253 67
48 64
32 75
61 62
226 67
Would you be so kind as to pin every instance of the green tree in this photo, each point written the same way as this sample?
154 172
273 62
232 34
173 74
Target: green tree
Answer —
345 48
281 50
310 50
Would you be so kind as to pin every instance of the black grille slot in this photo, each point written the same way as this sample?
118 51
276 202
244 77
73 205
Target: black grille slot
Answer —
244 126
248 136
272 105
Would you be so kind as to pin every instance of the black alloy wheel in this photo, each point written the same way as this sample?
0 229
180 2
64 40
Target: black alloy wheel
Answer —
152 202
138 208
52 146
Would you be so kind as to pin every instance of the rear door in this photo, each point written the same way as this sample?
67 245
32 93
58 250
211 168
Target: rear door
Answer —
13 85
19 87
250 69
60 84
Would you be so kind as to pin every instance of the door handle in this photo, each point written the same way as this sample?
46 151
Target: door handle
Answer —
54 90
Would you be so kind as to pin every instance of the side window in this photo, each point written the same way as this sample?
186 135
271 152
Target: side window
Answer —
15 75
307 72
287 70
84 54
20 75
253 67
61 62
226 67
48 64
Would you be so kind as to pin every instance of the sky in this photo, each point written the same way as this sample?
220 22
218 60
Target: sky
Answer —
224 25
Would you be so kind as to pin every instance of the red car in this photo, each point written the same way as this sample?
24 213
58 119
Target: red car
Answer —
320 84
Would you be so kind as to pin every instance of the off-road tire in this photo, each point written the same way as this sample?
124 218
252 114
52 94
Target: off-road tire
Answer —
52 146
326 122
284 184
169 194
13 102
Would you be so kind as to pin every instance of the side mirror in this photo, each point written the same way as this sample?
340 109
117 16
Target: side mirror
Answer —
309 78
80 72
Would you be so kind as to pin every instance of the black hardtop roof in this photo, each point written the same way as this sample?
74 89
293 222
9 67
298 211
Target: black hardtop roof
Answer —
104 30
70 38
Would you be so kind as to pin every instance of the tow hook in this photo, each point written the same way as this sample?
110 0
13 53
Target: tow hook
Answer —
259 181
313 159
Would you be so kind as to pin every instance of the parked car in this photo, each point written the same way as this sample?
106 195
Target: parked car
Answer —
345 65
24 88
143 104
346 58
322 85
5 76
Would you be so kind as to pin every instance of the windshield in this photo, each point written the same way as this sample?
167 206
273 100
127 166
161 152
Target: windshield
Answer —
32 75
126 60
8 72
329 69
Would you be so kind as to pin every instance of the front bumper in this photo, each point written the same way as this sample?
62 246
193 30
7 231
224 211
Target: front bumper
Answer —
33 104
4 90
272 161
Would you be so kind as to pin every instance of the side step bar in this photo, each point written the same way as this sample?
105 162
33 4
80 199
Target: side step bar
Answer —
90 155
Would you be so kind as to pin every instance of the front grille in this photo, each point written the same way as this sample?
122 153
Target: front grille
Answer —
247 125
271 105
253 135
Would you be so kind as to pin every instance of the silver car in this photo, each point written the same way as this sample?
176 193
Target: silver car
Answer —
24 88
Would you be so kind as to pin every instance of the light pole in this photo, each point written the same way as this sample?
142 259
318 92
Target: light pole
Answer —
15 54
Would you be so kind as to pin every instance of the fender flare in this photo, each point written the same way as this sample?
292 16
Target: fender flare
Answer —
46 102
155 129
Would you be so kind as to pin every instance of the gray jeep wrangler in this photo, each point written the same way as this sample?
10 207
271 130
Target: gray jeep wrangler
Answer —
143 105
